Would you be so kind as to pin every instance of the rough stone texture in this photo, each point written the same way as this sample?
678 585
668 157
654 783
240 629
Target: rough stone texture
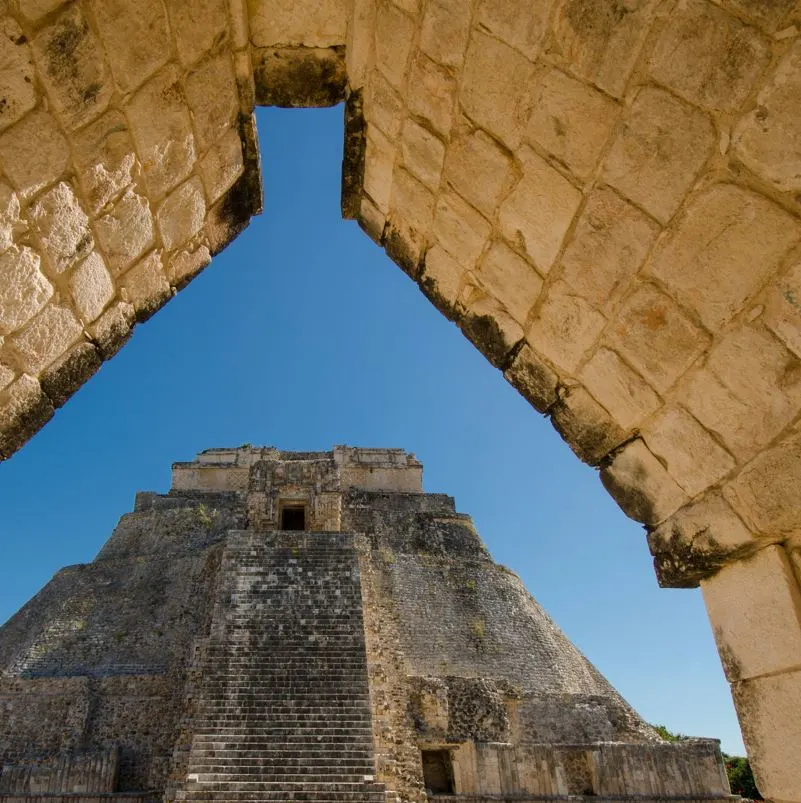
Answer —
47 336
126 232
24 290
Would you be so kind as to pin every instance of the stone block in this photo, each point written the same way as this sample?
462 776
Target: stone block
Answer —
459 229
768 138
24 290
522 25
7 376
136 38
17 82
621 390
766 491
782 312
34 10
495 87
184 265
726 244
487 324
708 56
656 337
286 22
69 372
9 216
534 380
769 16
371 220
104 158
769 709
478 169
112 329
222 166
197 26
431 92
511 279
659 151
24 409
379 166
445 30
212 96
34 153
91 287
607 248
585 425
687 450
641 485
412 208
145 287
538 212
600 42
423 153
180 217
758 594
384 107
62 227
45 338
697 541
162 131
126 232
359 44
394 32
565 327
570 120
442 280
72 67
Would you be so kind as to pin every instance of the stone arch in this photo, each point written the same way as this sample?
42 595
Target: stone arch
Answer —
604 196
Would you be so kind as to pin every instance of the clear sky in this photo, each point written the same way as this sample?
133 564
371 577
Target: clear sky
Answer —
302 335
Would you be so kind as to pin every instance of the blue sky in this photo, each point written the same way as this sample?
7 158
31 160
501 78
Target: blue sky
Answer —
302 335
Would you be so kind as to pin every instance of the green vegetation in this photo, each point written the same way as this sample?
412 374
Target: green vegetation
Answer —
204 515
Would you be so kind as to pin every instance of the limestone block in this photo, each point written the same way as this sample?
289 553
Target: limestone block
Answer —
768 138
459 229
197 25
145 286
760 595
34 10
17 87
769 16
538 212
126 232
105 158
659 152
136 37
184 265
412 209
655 336
72 67
359 43
384 106
697 540
522 25
24 409
69 372
479 169
45 338
112 329
599 41
445 30
430 92
222 166
641 486
287 22
608 246
379 164
34 153
162 131
371 220
423 153
24 290
62 227
180 217
687 450
570 120
7 376
487 324
91 287
495 87
394 32
724 247
212 96
510 279
769 710
621 390
565 327
708 56
532 379
766 492
782 313
9 216
442 279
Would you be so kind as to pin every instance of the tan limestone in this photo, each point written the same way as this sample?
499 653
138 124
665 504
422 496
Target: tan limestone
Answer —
16 74
181 215
126 232
45 338
511 279
92 287
24 290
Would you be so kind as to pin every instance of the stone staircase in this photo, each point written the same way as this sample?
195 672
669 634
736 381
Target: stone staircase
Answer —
284 711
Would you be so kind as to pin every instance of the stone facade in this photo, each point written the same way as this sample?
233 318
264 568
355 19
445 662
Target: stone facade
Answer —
603 196
221 648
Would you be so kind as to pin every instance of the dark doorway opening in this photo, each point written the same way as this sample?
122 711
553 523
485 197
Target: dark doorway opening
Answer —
293 518
437 772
